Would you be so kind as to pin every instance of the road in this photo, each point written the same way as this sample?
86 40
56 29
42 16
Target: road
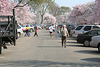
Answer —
46 51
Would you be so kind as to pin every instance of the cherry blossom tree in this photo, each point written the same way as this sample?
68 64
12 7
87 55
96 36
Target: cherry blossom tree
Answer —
5 7
50 18
63 18
97 12
22 14
83 14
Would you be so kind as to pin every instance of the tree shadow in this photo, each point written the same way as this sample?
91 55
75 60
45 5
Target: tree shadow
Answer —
92 59
76 45
49 46
37 63
70 38
93 52
73 42
46 35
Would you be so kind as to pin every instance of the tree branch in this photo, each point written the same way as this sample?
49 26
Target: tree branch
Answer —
18 5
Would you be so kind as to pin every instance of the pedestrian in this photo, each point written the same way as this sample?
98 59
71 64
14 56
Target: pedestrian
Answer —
53 27
27 31
58 31
64 34
35 32
50 30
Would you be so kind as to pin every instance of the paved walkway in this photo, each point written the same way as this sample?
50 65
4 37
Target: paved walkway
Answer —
46 51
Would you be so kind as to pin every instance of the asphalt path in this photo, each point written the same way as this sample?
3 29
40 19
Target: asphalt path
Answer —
46 51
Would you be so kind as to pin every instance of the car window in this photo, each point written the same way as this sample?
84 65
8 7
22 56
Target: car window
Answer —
86 33
93 32
28 25
95 27
87 28
98 32
18 27
31 26
79 27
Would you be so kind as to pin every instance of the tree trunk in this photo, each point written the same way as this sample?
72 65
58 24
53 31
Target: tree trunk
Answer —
42 18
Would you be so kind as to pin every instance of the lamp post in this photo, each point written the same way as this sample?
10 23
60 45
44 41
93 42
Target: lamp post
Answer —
14 23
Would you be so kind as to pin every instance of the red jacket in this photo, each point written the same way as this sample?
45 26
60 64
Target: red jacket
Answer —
36 30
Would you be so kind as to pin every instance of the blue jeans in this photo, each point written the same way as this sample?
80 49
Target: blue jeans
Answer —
27 34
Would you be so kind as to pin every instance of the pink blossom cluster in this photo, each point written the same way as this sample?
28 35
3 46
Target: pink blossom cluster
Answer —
97 12
50 17
5 7
63 18
83 14
22 14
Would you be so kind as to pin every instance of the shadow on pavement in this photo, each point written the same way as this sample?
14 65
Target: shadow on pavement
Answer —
46 35
70 38
89 52
72 42
76 45
92 59
37 63
49 46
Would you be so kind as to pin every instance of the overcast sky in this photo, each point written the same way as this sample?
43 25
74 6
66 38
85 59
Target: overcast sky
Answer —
71 3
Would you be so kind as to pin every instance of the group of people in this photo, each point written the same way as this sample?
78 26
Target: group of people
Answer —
28 31
63 31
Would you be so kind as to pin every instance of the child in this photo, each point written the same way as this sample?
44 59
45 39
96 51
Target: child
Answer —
35 32
27 31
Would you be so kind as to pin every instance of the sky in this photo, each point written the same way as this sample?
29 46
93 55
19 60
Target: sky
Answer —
71 3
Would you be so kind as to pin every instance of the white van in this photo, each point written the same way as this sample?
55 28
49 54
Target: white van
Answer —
80 29
19 30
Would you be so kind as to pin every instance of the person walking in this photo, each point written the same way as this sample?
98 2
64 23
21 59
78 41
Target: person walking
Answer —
58 31
27 31
35 32
50 30
64 34
53 28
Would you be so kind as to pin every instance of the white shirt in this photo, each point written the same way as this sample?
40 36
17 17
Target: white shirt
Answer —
51 29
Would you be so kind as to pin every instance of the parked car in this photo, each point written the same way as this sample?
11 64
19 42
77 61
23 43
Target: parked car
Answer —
34 25
70 27
31 27
39 27
86 37
83 29
19 30
95 42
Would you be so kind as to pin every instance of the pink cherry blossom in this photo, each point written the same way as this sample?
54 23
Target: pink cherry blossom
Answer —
83 14
22 14
50 17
